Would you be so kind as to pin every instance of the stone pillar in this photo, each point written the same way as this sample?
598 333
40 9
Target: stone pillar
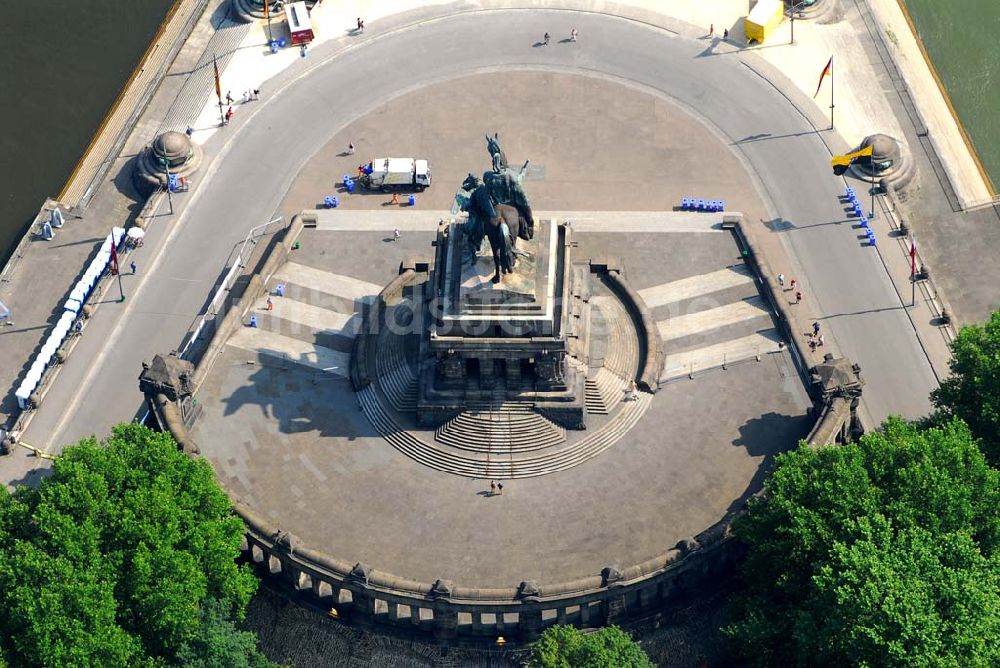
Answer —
487 373
445 615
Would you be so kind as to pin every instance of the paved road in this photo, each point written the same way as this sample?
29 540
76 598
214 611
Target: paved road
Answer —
266 146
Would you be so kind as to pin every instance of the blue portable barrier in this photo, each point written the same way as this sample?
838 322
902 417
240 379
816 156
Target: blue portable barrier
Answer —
864 221
412 200
347 177
253 321
328 202
701 204
684 203
274 47
349 185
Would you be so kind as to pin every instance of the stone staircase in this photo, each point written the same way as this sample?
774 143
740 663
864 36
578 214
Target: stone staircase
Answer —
622 352
511 428
396 378
604 391
486 464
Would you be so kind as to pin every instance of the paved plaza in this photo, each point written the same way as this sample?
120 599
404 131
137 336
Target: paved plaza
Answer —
283 427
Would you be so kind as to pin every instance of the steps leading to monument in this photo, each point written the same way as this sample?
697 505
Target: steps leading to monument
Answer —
500 431
396 377
728 332
622 354
605 390
500 464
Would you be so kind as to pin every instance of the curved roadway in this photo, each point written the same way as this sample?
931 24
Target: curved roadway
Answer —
251 164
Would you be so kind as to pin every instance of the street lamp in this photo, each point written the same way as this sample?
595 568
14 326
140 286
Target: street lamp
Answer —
791 12
166 166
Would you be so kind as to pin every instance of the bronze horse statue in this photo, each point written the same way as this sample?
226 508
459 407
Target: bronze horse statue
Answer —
497 212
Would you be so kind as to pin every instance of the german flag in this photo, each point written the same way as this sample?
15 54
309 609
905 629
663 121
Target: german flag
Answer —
840 163
218 87
822 75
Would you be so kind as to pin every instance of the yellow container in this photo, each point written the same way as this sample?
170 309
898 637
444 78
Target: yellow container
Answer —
765 16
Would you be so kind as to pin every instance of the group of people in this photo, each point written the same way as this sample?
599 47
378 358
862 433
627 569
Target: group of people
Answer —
572 36
815 338
496 487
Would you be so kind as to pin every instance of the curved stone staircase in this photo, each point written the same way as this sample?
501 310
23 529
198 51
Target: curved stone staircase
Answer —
499 464
622 354
510 428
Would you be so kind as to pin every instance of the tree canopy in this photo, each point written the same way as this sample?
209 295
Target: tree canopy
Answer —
567 647
973 391
121 557
876 553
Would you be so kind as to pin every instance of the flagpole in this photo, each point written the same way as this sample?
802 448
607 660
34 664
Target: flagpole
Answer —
218 89
267 13
831 93
913 270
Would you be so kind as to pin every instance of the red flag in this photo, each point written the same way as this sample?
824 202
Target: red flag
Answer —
114 259
826 70
218 88
913 257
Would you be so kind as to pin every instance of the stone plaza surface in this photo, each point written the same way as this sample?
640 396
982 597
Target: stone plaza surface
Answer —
286 435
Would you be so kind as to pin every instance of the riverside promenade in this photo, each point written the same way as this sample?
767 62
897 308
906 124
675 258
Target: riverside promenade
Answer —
183 259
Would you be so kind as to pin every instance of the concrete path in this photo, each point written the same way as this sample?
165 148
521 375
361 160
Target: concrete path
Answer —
694 286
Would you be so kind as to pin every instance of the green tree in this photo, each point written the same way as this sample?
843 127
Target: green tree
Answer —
566 647
973 391
219 644
877 553
110 560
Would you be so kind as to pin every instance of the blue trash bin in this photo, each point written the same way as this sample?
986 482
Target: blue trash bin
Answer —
274 47
282 42
253 321
412 200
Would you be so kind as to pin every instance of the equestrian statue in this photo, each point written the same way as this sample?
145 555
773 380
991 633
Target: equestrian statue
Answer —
498 209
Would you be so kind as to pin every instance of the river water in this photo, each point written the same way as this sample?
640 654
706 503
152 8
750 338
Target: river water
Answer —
961 39
64 63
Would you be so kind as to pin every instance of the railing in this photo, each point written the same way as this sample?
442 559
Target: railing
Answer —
239 262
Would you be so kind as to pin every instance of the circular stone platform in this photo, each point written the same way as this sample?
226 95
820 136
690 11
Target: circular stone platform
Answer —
286 435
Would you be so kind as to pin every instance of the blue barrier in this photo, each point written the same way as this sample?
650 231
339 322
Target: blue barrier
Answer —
253 321
412 200
349 185
328 202
864 221
274 47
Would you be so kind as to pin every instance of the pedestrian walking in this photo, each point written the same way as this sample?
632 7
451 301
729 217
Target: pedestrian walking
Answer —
812 345
395 199
395 234
546 39
500 487
361 171
229 97
229 114
131 265
350 148
189 131
711 30
270 304
781 280
256 93
816 328
822 340
725 34
361 25
572 35
798 297
493 487
793 284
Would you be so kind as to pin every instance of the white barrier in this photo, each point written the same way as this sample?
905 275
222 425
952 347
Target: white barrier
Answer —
77 297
